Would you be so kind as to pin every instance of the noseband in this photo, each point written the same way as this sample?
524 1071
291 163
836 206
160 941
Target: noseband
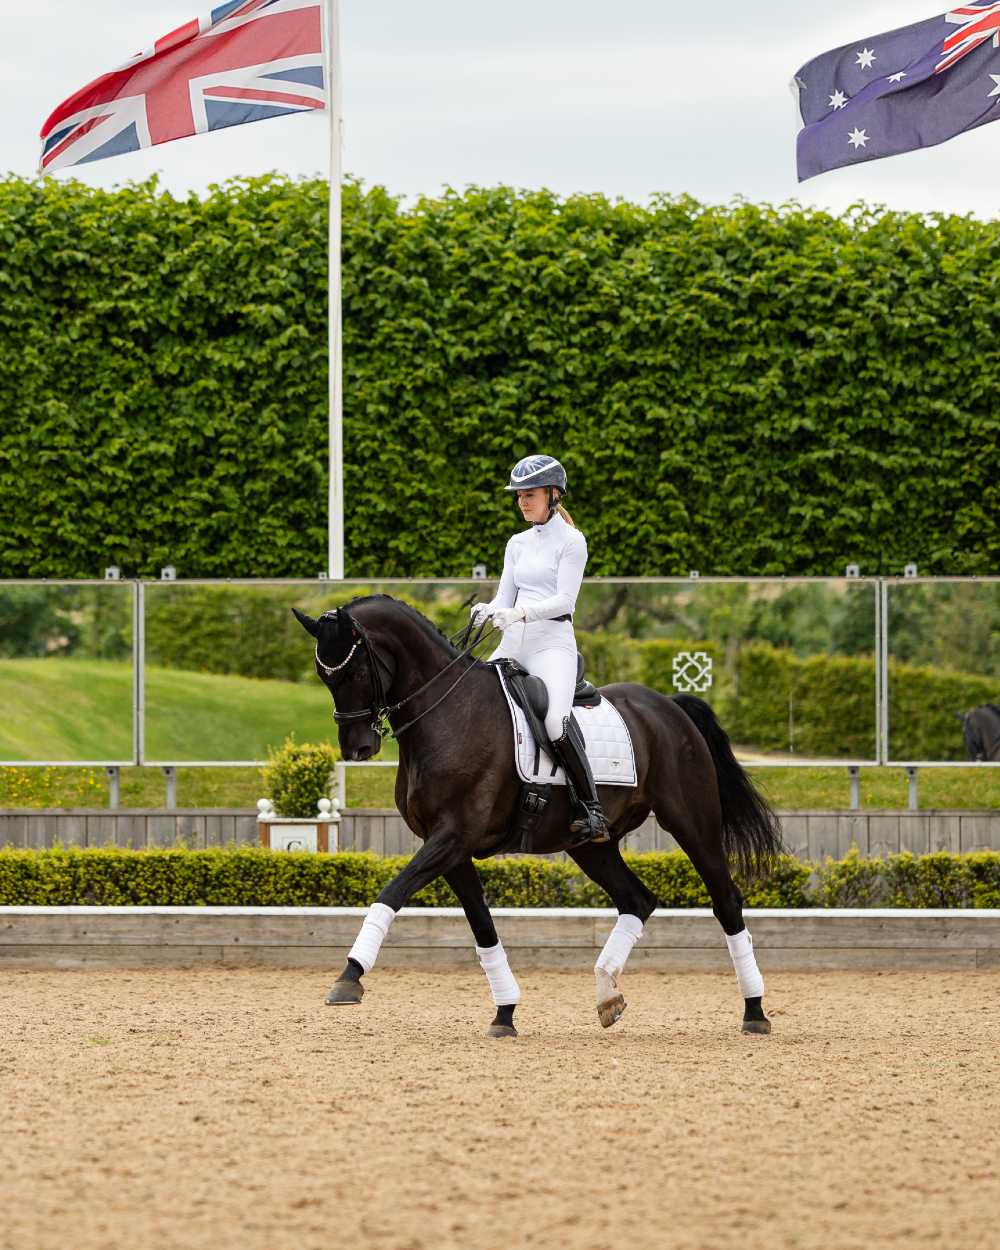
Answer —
379 710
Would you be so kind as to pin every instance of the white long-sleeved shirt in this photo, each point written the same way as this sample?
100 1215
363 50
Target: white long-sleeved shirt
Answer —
543 570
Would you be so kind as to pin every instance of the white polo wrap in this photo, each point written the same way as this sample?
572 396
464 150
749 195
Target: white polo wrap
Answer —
618 947
369 941
505 990
744 961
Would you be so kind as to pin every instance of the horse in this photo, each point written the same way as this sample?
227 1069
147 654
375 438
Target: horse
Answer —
981 727
458 790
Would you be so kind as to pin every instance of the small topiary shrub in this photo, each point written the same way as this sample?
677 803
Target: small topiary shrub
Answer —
298 776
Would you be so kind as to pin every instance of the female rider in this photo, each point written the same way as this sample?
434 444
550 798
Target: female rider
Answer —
542 571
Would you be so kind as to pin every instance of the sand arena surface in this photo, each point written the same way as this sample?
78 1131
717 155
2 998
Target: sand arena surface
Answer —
214 1108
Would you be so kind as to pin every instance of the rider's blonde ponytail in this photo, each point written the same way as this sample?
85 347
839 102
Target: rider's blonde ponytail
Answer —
565 515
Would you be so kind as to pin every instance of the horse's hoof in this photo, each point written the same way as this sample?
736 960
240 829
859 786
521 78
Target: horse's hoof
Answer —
610 1013
344 992
501 1030
760 1027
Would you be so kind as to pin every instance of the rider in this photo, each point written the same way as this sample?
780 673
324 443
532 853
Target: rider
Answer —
542 572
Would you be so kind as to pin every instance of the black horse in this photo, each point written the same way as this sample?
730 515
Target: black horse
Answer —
981 727
457 788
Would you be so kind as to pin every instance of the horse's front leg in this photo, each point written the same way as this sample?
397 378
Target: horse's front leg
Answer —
466 883
438 855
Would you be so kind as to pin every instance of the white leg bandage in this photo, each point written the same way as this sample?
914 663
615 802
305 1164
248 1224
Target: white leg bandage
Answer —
618 947
505 990
745 963
369 941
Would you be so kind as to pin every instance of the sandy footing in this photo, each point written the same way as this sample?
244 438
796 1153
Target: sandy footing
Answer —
215 1108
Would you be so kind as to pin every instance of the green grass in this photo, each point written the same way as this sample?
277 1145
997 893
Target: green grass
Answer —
789 789
64 709
800 789
78 709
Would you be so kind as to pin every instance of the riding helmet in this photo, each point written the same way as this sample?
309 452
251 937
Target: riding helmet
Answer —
537 471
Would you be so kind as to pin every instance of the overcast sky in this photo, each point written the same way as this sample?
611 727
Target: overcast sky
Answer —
627 99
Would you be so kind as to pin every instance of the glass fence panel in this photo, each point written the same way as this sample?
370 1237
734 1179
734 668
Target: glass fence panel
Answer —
66 680
229 673
788 665
943 670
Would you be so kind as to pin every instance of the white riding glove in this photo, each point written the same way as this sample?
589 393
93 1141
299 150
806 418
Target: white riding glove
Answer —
503 618
479 613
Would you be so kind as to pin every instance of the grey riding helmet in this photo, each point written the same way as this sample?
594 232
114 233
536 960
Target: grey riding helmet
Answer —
537 471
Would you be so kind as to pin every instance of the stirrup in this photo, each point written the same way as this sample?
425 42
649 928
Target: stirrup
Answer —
592 821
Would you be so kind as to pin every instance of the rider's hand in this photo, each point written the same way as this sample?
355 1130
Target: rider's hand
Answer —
479 613
503 618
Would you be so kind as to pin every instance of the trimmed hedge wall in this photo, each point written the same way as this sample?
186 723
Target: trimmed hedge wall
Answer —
258 878
824 704
756 390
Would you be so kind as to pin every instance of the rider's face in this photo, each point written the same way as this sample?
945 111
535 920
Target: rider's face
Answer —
534 504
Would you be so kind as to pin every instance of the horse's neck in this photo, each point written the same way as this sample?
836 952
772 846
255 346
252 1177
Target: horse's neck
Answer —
417 655
418 658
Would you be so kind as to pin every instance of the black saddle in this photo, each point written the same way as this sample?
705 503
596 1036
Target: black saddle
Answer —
532 697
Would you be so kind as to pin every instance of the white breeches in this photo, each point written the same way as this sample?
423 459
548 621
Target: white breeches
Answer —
531 645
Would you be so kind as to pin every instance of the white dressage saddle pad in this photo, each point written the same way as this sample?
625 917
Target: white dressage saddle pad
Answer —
609 745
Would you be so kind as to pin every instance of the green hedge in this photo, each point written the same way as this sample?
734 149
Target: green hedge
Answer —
258 878
738 389
824 705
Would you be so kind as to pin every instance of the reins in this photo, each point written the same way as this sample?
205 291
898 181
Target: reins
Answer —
378 709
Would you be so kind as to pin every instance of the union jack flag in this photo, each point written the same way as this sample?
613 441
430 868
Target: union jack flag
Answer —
246 61
978 25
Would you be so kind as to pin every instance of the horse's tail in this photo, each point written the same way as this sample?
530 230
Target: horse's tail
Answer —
751 832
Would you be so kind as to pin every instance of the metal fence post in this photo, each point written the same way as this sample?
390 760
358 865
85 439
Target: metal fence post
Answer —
854 772
882 670
170 774
139 676
912 795
114 787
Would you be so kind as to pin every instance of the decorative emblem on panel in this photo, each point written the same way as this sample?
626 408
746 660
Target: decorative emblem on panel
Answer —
692 672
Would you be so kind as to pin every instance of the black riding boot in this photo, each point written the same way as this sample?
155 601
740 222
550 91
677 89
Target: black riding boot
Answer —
590 820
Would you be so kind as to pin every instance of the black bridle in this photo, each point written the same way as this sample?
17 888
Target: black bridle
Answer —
379 709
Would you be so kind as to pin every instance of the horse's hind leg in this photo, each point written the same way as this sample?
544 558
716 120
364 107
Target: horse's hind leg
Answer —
699 834
603 863
466 883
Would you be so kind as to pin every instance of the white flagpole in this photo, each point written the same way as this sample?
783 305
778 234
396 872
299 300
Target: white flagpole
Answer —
335 107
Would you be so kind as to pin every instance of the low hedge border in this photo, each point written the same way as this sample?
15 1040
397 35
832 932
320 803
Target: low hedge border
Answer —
251 877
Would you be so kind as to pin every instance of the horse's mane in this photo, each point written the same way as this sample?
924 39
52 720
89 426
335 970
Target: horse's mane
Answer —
427 626
993 708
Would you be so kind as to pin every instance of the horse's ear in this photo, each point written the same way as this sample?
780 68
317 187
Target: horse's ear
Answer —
310 625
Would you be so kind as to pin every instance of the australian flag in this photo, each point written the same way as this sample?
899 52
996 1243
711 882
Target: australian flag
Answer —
246 61
911 88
